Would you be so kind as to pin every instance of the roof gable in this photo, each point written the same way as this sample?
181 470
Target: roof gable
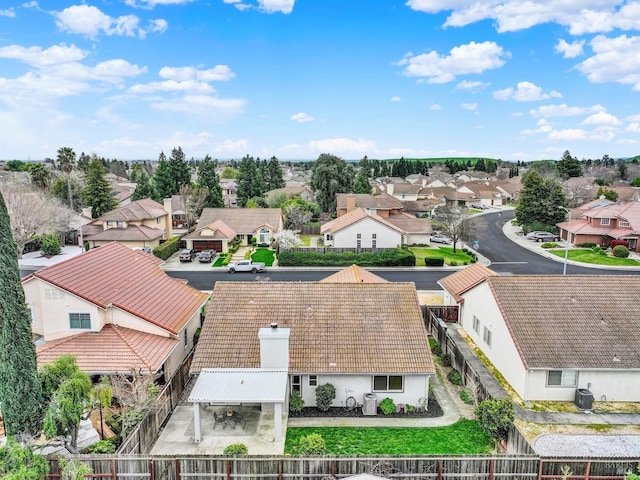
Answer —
353 217
243 220
139 210
353 274
461 281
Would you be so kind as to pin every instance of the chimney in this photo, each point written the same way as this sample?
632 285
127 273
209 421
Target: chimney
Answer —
390 188
166 202
274 347
351 202
87 212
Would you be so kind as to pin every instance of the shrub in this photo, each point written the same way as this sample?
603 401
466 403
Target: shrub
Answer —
236 449
436 349
466 397
312 444
386 258
434 261
549 245
615 243
227 259
495 417
247 255
410 408
454 377
324 396
254 241
598 250
446 360
50 245
586 245
387 406
453 263
620 251
295 402
103 446
474 260
167 249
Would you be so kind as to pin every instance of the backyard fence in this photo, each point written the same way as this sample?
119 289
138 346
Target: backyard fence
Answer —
307 229
521 467
334 250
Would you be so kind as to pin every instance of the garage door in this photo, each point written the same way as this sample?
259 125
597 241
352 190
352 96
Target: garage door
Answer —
199 245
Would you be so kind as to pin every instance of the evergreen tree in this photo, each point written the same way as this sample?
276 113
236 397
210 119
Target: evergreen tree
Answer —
83 162
209 180
330 175
98 192
361 183
60 190
249 181
540 200
145 188
274 172
480 166
180 170
569 166
20 391
163 181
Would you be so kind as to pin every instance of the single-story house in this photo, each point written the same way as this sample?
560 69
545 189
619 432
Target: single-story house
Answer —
382 204
549 335
115 309
359 229
292 191
219 226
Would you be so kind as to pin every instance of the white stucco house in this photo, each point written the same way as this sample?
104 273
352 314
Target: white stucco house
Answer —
549 335
359 229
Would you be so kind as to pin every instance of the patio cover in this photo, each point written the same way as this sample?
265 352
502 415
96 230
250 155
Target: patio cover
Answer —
240 385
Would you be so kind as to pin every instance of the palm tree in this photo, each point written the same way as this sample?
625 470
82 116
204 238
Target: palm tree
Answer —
66 162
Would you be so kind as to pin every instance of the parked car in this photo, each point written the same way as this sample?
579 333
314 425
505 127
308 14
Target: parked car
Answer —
546 237
145 249
187 255
439 238
480 206
532 235
245 266
206 256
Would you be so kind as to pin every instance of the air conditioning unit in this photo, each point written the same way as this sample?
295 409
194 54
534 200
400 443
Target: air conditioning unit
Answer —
369 406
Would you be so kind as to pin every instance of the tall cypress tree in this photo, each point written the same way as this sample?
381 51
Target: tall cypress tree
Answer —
162 178
98 192
180 170
210 181
20 391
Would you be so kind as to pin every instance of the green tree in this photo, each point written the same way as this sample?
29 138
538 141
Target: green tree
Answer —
209 180
274 175
607 193
40 175
361 183
330 175
480 166
496 417
540 200
180 170
98 192
20 393
276 200
569 166
162 180
66 163
83 162
250 183
60 190
622 169
145 188
16 166
18 462
636 182
229 173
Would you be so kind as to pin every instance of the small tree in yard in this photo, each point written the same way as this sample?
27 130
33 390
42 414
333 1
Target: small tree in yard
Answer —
136 393
50 245
495 417
324 396
456 223
287 239
312 444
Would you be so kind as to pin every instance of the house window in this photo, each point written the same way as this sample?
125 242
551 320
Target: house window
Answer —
374 236
80 321
605 221
120 224
186 338
313 380
486 336
374 243
388 383
358 243
476 324
158 220
295 383
264 236
53 294
622 223
329 236
33 321
111 224
359 236
562 378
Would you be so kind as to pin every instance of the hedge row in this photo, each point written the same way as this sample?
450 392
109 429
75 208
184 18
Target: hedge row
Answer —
168 248
434 261
389 258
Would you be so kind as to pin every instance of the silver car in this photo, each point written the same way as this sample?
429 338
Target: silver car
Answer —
439 238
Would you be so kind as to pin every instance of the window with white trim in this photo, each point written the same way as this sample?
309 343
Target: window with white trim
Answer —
329 236
476 324
53 294
313 380
80 321
605 221
486 336
388 383
295 383
623 223
562 378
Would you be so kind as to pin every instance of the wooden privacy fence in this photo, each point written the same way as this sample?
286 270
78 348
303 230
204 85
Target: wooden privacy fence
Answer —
325 468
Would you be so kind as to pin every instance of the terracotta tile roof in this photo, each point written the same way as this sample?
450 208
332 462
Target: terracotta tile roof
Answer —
128 279
461 281
365 200
131 233
410 223
353 274
572 321
221 231
139 210
399 188
113 349
335 327
243 220
352 217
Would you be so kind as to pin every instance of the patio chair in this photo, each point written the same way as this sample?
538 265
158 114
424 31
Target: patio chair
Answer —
219 419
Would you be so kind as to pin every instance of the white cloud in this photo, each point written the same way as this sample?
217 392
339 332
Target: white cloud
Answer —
343 145
633 127
601 118
633 118
158 25
615 60
153 3
570 50
470 106
525 92
302 117
234 147
219 73
472 86
395 99
435 106
172 86
276 6
462 60
564 110
11 13
568 134
203 105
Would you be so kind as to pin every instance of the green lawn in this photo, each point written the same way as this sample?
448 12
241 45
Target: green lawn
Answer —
264 255
588 256
445 252
462 438
219 260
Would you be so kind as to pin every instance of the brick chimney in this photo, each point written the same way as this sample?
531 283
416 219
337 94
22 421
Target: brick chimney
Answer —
351 202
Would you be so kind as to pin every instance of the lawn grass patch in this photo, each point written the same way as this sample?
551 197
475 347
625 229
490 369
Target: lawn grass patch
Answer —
462 438
589 256
219 261
459 257
263 255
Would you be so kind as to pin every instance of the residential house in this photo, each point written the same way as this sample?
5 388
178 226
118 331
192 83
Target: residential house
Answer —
229 188
141 223
382 205
217 227
114 309
456 284
360 337
409 192
123 192
548 335
601 222
292 191
353 274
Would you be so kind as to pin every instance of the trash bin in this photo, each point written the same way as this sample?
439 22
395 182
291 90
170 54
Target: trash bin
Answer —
369 406
584 399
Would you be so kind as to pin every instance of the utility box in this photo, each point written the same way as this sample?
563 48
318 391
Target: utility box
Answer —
369 406
584 399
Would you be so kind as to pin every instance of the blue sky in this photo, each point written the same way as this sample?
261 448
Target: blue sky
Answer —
516 80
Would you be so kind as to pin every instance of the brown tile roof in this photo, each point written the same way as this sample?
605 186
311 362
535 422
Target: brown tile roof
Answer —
136 211
352 217
243 220
365 200
113 349
459 282
131 233
128 279
410 223
353 274
221 231
572 321
335 327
